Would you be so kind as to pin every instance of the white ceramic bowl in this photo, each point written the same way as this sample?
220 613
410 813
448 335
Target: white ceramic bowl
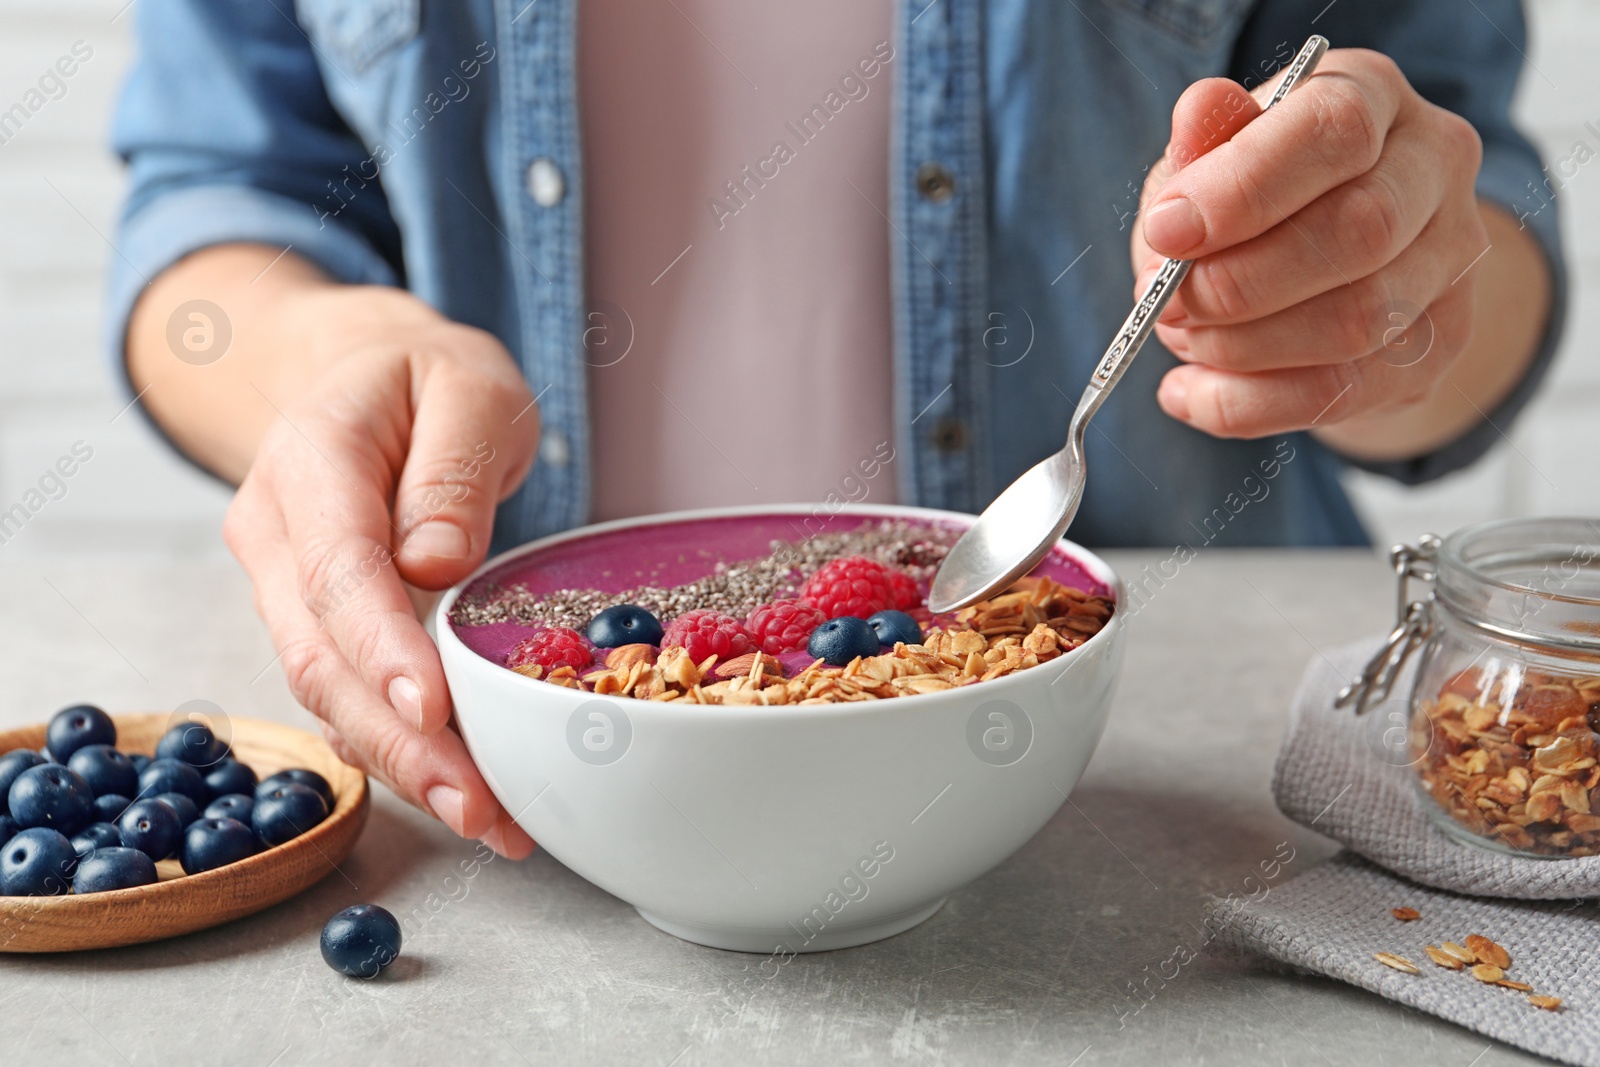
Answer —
785 829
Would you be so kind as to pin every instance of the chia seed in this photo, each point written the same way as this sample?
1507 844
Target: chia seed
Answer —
731 588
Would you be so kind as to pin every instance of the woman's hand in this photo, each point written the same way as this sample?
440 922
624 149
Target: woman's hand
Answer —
1335 241
378 438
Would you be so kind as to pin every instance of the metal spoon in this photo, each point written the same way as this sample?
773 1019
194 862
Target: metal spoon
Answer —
1017 530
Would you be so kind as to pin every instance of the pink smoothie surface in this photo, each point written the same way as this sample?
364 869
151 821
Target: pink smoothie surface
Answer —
676 553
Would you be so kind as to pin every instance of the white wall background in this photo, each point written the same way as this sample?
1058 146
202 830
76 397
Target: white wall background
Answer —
59 187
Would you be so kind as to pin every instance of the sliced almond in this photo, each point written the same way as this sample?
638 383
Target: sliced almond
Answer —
1399 963
1488 951
1547 1003
1443 958
1406 915
1520 987
1488 973
1465 955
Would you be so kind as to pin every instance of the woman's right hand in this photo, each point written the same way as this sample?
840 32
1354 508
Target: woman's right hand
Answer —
392 436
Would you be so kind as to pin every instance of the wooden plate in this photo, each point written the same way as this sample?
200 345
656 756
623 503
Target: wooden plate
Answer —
179 903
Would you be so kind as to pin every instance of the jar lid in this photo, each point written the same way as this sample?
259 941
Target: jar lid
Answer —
1530 580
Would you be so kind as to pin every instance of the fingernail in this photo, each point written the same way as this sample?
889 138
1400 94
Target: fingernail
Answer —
1174 227
407 700
1173 397
447 803
442 540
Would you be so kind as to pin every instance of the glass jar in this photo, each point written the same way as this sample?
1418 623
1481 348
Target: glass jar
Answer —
1506 702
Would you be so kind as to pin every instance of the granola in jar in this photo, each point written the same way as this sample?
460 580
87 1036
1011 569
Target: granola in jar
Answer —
1504 730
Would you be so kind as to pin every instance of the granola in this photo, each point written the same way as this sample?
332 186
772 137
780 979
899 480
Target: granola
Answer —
1514 757
1034 621
1399 963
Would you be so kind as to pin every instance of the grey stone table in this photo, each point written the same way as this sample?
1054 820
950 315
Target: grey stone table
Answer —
528 964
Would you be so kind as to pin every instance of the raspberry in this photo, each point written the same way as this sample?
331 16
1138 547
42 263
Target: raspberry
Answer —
784 625
853 585
906 593
552 648
705 633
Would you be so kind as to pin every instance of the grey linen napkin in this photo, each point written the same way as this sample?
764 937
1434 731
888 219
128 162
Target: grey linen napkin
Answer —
1349 778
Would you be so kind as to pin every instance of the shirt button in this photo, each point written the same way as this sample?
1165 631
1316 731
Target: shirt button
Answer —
935 182
545 182
554 450
950 435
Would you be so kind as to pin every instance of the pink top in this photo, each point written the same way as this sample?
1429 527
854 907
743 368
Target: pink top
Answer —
736 160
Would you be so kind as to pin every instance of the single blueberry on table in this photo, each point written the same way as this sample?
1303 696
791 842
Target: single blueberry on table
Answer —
105 769
361 941
51 795
37 862
152 827
299 776
212 843
12 764
233 806
113 868
110 806
194 744
838 641
892 626
188 811
624 624
286 811
172 776
95 836
72 728
230 776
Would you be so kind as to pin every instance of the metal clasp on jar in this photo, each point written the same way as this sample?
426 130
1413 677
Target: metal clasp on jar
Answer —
1413 625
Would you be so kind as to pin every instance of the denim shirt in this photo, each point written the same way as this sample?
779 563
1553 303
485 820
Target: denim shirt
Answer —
435 145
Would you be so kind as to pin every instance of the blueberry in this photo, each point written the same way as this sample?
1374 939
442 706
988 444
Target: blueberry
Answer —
194 744
8 828
51 795
188 811
361 941
105 769
838 641
233 806
172 776
139 760
37 863
96 835
625 624
113 868
212 843
287 811
299 776
892 626
12 764
152 827
72 728
230 776
110 806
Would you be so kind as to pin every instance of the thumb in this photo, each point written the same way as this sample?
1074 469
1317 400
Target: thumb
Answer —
1208 114
472 443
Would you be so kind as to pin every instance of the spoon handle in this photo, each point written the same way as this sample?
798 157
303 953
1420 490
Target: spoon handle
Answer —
1141 321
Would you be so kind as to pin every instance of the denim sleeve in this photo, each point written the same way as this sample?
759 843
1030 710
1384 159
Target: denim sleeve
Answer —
230 136
1467 58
